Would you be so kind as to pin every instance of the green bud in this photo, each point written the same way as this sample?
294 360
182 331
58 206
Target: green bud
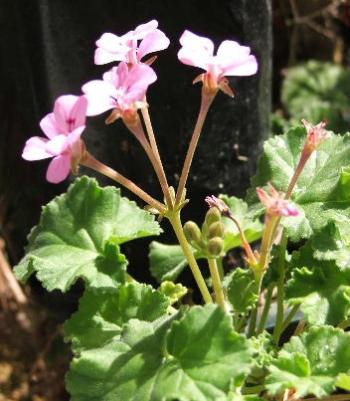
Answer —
192 232
216 230
215 246
213 215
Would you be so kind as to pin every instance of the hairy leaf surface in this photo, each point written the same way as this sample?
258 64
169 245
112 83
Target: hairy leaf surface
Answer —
196 358
321 192
310 364
79 234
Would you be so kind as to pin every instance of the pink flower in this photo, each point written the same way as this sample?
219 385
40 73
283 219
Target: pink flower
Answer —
122 89
231 59
275 203
316 134
111 47
63 129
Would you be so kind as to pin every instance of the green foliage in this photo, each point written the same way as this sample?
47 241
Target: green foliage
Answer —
311 363
318 91
332 243
79 234
242 290
174 292
321 288
343 381
166 261
321 191
102 314
251 226
196 357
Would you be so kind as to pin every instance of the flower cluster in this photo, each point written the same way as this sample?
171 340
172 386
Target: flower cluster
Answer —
123 89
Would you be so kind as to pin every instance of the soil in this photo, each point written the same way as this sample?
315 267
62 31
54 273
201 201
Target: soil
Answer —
33 356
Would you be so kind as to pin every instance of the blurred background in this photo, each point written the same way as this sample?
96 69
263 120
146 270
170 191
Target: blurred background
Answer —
47 46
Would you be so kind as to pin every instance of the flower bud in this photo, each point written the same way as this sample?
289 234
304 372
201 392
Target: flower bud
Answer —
216 230
215 246
213 215
192 232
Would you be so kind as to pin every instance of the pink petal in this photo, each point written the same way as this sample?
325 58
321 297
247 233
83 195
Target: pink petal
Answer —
104 57
112 43
78 112
35 149
58 169
49 126
144 29
140 76
230 52
111 76
134 95
75 135
249 66
153 42
193 58
98 94
57 145
62 111
120 75
197 51
191 40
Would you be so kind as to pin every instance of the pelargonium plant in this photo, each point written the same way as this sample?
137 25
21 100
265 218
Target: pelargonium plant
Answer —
272 328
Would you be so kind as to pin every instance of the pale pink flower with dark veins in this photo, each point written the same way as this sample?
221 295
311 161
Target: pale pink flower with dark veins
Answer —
63 129
316 134
111 47
122 89
231 59
275 203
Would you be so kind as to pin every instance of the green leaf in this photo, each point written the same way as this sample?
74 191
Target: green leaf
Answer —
332 243
197 359
166 261
174 292
321 191
264 353
78 237
242 290
343 381
321 289
318 91
310 364
101 314
251 227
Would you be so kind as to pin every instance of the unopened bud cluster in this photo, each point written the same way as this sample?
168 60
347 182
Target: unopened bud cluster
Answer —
210 239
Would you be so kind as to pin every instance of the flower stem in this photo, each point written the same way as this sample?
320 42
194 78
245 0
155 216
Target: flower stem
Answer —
205 105
246 246
271 224
94 164
154 147
300 327
303 159
280 289
259 275
139 133
175 221
219 292
290 317
265 312
344 324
